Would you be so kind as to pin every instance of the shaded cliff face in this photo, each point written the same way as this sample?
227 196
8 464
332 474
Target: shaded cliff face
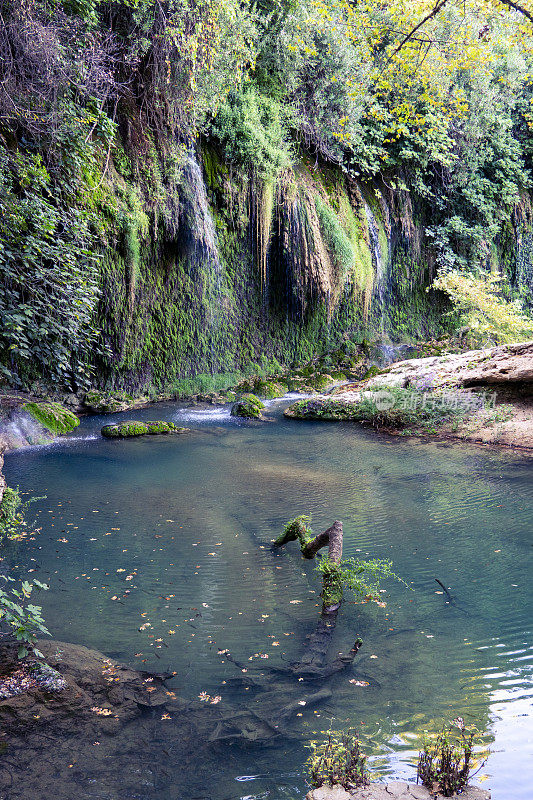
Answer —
235 272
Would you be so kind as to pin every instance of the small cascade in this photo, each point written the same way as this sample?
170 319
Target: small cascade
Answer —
380 280
202 248
21 430
199 221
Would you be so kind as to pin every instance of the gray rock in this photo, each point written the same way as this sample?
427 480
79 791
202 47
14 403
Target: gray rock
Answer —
398 789
418 792
401 791
328 793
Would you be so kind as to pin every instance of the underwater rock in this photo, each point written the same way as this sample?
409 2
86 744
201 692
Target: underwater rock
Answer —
130 428
248 406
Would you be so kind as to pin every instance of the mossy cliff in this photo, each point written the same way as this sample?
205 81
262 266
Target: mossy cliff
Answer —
225 273
208 273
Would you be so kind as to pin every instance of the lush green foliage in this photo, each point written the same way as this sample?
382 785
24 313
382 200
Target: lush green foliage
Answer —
337 761
48 276
486 315
13 509
446 759
19 617
252 130
102 101
361 577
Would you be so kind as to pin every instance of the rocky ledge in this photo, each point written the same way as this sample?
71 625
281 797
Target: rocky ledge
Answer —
481 395
397 790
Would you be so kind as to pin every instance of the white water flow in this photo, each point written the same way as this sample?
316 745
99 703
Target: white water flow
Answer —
380 280
199 218
201 227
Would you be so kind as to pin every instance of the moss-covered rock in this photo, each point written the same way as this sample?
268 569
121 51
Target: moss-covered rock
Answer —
269 389
323 381
372 372
108 402
165 428
123 430
52 416
248 406
131 428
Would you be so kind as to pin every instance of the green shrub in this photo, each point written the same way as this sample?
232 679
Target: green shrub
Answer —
252 130
338 761
446 758
485 314
21 619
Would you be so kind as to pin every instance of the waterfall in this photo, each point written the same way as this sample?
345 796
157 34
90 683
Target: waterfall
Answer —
202 248
199 221
380 272
19 429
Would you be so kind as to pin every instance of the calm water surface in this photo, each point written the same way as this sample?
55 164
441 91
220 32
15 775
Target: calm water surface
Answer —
176 532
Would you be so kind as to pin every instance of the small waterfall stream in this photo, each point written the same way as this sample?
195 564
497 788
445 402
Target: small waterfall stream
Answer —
203 245
198 216
380 282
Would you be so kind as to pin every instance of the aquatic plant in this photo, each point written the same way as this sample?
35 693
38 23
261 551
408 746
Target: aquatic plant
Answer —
361 577
337 761
445 760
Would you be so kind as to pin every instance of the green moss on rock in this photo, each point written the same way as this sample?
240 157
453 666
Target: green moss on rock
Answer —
323 381
248 406
131 428
165 428
269 389
107 402
52 416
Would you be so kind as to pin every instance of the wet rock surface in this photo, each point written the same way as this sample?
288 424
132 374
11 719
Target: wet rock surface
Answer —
397 790
496 366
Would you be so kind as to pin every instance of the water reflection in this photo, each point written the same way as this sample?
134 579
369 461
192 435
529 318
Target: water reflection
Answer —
175 533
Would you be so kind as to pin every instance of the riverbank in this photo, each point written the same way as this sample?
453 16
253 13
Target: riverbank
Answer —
483 396
397 790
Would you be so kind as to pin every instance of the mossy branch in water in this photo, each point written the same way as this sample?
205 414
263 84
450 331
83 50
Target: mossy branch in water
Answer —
360 577
299 529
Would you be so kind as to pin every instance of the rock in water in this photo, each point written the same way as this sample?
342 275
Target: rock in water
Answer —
53 416
131 428
248 406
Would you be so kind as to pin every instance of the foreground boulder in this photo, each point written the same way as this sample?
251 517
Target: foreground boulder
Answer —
131 428
248 406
